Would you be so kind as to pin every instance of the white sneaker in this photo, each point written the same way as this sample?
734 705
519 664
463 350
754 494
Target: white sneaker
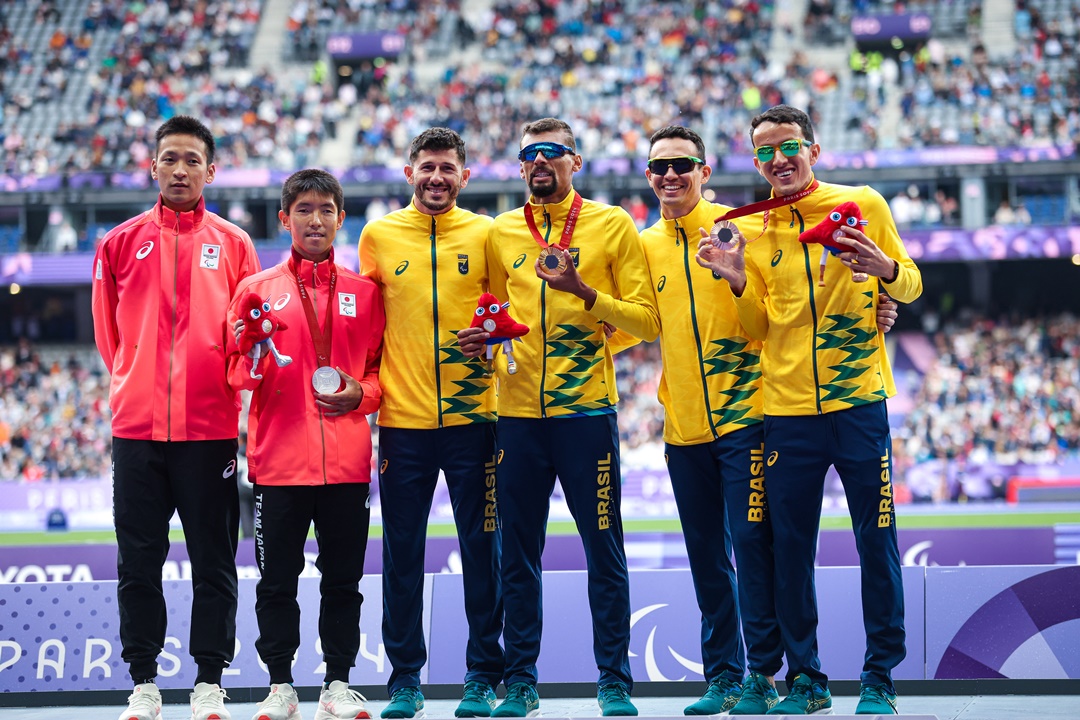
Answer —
144 703
208 703
338 702
280 704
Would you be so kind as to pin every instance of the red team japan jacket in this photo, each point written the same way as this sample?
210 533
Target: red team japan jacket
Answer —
162 283
290 442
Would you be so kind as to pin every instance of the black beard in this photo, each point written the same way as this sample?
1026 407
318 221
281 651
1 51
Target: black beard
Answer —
544 192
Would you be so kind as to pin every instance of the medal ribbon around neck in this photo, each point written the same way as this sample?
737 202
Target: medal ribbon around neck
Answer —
320 339
568 227
767 205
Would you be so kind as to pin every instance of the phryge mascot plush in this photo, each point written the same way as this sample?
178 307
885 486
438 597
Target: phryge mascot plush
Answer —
493 318
260 324
828 234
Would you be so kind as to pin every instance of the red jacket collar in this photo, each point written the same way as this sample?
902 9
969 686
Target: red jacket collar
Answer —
184 221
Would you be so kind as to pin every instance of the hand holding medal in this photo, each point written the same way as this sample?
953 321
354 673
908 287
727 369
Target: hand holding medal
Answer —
724 234
552 261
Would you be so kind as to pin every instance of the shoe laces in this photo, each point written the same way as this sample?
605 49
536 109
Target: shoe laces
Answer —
614 692
875 692
476 690
405 695
212 697
276 699
140 701
723 686
756 684
802 689
343 694
518 691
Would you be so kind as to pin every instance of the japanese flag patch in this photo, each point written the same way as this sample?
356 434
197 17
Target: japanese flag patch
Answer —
211 255
346 303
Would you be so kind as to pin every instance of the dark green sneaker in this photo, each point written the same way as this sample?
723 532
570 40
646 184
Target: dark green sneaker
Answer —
614 700
804 698
406 702
719 697
477 701
876 700
521 701
758 696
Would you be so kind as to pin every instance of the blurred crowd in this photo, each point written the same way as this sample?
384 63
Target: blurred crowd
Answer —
1000 393
54 418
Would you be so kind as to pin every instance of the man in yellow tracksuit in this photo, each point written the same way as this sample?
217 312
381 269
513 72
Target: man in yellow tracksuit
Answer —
826 376
438 413
566 265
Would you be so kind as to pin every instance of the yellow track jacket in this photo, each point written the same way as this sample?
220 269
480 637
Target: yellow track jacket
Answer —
431 270
822 351
711 382
564 363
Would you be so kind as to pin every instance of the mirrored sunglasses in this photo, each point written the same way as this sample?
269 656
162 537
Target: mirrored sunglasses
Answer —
681 165
550 150
789 148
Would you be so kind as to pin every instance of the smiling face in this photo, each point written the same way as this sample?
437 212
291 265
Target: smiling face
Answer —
438 177
313 221
678 194
550 179
787 175
181 171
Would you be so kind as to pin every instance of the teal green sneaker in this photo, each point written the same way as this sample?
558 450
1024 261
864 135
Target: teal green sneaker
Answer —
719 697
614 700
406 702
521 701
478 700
876 700
758 696
804 698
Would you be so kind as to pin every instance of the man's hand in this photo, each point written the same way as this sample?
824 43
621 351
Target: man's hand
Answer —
886 312
865 256
728 262
343 401
568 280
472 341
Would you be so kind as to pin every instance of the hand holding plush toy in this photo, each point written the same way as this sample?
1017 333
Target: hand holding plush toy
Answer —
828 234
493 318
260 324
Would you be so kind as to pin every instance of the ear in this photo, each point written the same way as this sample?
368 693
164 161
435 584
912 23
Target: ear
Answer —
465 177
578 162
210 170
521 170
284 218
409 174
706 173
340 219
815 153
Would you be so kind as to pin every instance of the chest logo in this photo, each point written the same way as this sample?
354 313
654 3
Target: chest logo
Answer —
346 304
282 301
211 256
660 285
463 264
144 249
776 257
519 261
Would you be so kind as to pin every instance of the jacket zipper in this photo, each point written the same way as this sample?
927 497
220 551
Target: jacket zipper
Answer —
172 340
679 230
810 283
543 322
315 306
435 322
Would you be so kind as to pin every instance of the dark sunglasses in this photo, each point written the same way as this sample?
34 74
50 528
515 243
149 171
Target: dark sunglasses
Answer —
681 165
550 150
789 148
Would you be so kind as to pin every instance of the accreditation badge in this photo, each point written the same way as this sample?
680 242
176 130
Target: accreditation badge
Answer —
346 304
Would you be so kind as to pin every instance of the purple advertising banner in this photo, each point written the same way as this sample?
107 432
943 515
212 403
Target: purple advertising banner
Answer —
885 27
990 243
344 46
1003 622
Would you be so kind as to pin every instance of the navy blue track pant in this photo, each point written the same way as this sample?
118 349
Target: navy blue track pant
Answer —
284 514
720 491
152 480
583 452
798 453
409 464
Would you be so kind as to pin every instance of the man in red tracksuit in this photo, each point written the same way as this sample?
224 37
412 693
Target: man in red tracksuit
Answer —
313 383
161 285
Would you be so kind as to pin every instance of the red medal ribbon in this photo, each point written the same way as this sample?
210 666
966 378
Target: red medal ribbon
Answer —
319 338
767 205
568 228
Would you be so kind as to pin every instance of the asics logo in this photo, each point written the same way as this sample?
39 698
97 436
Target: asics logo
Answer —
144 250
660 285
401 268
773 457
282 301
229 469
382 468
520 261
776 257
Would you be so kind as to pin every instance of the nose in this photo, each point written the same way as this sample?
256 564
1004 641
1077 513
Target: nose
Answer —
670 173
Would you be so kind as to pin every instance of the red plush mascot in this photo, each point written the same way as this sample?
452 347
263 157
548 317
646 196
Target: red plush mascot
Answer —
260 323
493 318
828 234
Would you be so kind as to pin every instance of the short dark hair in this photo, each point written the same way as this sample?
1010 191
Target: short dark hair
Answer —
681 133
311 180
784 115
550 124
435 139
186 125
